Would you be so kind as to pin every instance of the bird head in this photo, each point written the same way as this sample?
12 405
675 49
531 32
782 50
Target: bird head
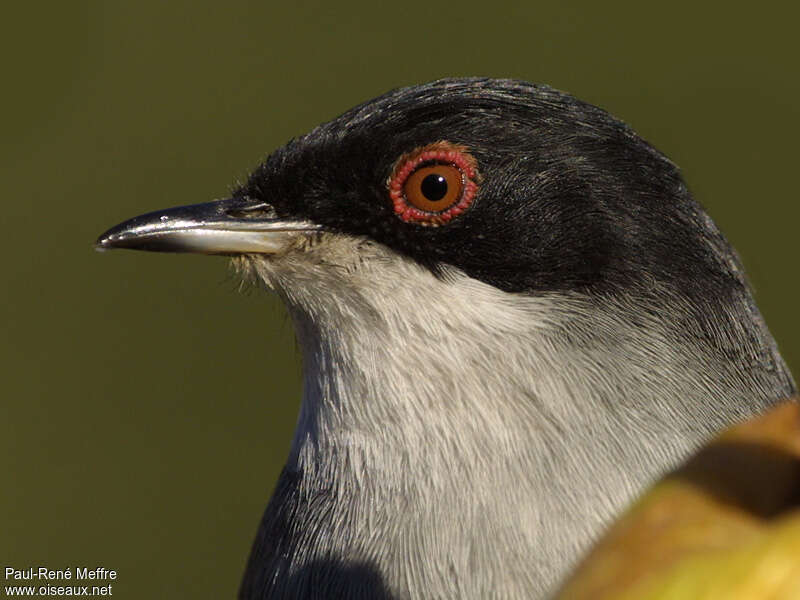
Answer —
515 185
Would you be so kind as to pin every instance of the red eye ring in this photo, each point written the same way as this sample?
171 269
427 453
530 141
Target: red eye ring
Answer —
452 157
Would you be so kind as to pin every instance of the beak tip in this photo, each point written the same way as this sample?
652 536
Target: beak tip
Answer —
106 242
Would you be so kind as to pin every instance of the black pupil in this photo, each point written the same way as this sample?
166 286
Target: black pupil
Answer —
434 187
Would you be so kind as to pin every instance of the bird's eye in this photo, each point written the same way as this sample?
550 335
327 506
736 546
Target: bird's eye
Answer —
433 184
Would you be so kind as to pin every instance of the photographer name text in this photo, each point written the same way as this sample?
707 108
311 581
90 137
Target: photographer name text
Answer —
45 574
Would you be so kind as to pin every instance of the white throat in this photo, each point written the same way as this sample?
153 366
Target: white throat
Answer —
479 439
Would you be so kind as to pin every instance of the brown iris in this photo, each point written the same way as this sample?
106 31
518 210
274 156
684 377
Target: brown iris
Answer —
433 184
434 188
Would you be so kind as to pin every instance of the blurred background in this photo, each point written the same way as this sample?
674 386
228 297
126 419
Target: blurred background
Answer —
147 405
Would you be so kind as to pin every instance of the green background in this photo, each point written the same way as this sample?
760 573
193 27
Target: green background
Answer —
147 405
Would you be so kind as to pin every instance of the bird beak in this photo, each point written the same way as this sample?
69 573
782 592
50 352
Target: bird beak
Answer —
232 226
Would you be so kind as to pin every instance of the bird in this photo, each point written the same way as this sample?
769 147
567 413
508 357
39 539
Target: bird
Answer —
513 316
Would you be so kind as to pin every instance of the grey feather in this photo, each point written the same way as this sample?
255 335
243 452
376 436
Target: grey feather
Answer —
419 469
